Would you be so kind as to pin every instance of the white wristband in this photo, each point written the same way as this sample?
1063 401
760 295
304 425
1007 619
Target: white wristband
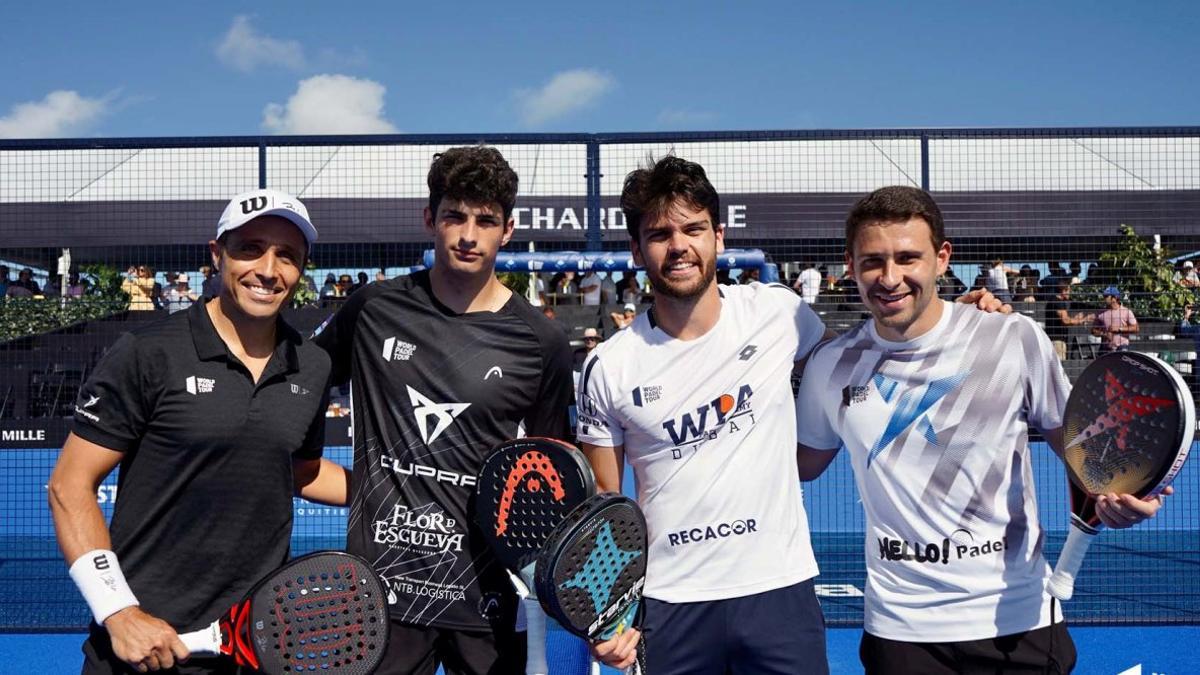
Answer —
99 578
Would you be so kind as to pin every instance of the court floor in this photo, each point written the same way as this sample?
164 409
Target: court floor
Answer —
1166 650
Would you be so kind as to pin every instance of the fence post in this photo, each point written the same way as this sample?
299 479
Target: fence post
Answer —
595 235
925 162
262 164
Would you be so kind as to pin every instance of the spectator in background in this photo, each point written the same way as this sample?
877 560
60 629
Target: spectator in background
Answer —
1076 273
565 288
808 283
627 288
156 290
362 281
76 287
25 280
329 288
1026 287
748 275
381 275
5 280
1059 315
1114 322
537 293
180 295
1186 276
1189 329
589 287
211 286
625 317
949 285
591 340
53 286
608 289
828 280
997 280
344 284
140 288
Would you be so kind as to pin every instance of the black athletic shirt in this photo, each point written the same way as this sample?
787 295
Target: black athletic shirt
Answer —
204 497
433 392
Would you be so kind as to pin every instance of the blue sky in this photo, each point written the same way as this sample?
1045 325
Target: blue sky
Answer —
221 68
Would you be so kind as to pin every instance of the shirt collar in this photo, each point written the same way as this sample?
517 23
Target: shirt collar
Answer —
210 346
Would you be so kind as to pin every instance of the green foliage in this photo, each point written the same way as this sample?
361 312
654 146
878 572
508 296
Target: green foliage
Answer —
21 317
1145 276
305 293
517 282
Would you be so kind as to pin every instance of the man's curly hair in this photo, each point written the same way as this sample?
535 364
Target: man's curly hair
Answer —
473 174
649 193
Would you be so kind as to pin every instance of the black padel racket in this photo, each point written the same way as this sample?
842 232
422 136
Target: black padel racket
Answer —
1127 430
525 488
591 571
325 612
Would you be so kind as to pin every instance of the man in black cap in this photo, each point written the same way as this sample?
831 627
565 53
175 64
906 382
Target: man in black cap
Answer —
216 416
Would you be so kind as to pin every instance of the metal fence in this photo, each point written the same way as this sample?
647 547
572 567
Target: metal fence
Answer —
1031 198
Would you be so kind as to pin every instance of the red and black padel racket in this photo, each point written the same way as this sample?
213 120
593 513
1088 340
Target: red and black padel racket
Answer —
1127 430
325 612
590 573
525 488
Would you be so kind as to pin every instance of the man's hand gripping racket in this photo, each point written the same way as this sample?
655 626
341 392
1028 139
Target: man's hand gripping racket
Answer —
591 571
324 612
525 488
1127 430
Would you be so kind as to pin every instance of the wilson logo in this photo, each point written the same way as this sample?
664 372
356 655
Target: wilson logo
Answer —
708 419
254 204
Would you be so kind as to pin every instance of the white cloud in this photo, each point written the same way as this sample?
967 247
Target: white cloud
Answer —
565 93
61 113
245 49
330 104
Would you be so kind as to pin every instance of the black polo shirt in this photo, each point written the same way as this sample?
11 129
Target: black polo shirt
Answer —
433 392
204 497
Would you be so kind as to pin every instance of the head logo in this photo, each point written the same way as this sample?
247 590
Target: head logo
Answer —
694 426
443 413
529 468
494 370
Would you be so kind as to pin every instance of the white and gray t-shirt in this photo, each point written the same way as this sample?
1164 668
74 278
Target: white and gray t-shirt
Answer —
937 429
708 426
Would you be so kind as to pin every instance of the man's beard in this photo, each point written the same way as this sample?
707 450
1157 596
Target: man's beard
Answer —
707 277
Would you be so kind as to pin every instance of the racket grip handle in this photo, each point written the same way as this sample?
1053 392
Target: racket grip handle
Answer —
1062 582
203 642
535 651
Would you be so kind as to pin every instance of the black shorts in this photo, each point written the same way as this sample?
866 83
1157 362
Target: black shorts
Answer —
1043 650
780 631
98 659
416 650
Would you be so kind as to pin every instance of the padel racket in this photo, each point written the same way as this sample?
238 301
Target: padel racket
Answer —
590 574
524 489
1127 430
324 612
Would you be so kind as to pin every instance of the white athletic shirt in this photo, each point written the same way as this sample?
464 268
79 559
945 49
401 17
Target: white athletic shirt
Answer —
937 430
810 285
708 426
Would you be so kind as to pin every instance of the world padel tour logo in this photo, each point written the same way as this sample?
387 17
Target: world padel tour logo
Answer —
533 471
727 411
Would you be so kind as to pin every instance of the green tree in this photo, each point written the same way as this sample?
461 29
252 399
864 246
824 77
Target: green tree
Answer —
1146 277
